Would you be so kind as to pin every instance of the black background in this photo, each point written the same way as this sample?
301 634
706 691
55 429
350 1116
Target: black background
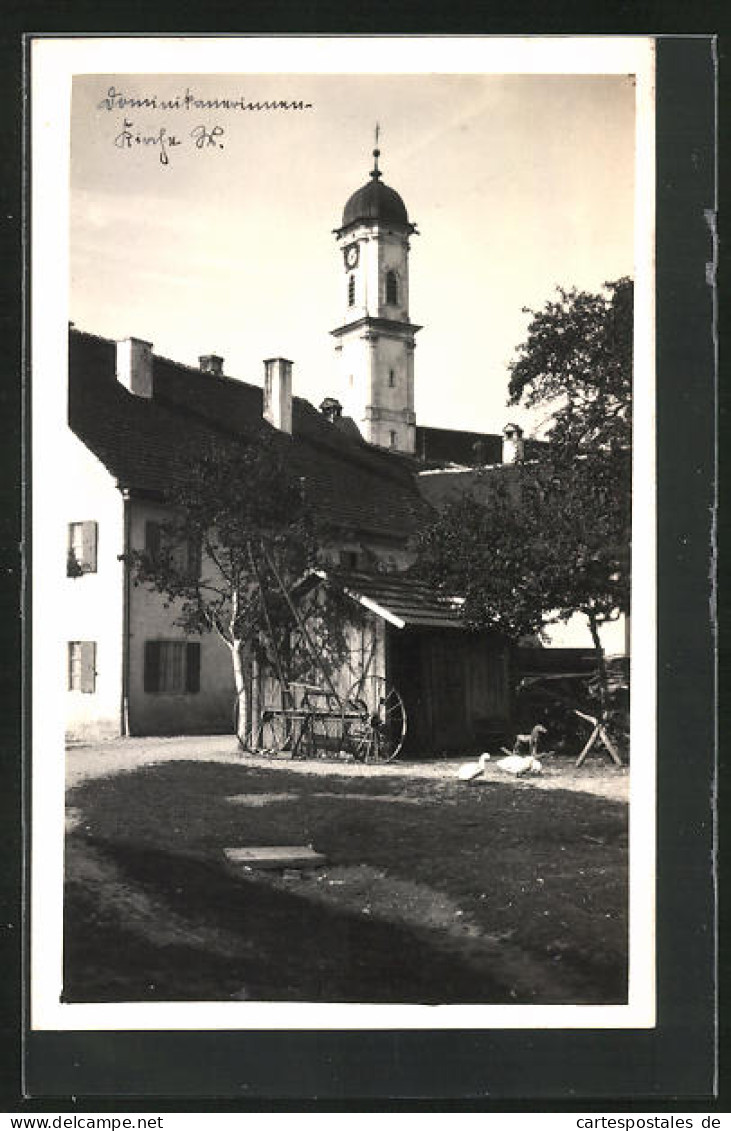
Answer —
669 1068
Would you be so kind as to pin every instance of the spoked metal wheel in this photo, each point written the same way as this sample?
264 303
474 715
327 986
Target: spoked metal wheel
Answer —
275 724
356 727
375 720
275 732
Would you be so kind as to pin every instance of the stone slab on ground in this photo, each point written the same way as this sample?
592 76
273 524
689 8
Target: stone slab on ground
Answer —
275 856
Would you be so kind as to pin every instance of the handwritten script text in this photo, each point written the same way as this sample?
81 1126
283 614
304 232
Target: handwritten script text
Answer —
118 100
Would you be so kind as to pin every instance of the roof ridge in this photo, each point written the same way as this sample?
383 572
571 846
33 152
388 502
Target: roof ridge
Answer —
73 329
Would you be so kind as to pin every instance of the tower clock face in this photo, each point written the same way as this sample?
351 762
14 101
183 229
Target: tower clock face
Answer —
351 256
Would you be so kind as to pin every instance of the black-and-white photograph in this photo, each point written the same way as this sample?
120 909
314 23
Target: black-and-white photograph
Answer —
341 563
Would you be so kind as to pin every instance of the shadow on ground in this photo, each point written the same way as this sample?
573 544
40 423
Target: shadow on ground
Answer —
433 891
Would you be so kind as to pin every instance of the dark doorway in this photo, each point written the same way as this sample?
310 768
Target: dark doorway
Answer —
455 687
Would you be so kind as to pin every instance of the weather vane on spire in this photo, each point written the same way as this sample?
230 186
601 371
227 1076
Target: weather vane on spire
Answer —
376 172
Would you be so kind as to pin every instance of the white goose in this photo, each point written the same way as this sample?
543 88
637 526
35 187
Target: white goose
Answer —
519 765
471 770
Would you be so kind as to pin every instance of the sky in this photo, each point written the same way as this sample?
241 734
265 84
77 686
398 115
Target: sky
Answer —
517 183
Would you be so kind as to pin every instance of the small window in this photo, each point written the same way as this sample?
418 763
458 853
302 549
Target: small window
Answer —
393 439
185 557
172 667
391 378
351 291
82 666
81 551
391 288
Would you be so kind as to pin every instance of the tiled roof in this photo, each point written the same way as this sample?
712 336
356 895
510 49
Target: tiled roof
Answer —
146 444
440 487
402 601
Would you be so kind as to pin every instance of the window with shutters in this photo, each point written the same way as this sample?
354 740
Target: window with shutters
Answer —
82 666
172 667
185 557
81 550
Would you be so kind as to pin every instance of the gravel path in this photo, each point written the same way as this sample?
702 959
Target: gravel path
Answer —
104 759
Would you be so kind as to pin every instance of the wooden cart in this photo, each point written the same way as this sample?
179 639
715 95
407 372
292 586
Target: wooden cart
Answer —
368 724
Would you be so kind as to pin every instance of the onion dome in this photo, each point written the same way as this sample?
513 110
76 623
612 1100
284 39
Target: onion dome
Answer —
376 202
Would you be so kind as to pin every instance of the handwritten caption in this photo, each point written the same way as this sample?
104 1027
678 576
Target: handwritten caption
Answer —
202 137
208 137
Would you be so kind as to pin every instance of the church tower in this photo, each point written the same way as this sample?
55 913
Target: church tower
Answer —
375 343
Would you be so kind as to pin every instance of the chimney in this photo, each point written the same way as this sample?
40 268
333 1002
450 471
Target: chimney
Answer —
332 409
211 363
134 366
278 393
513 444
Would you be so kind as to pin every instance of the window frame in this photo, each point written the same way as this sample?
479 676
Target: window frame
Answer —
155 669
190 551
82 553
81 666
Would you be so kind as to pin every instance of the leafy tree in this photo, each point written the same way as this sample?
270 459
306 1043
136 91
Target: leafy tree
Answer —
531 546
576 362
536 543
240 533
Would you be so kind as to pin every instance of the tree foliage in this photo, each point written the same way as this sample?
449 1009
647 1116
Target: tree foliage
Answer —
538 542
234 517
239 531
577 362
533 545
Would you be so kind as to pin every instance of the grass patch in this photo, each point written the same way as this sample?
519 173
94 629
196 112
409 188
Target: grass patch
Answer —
433 892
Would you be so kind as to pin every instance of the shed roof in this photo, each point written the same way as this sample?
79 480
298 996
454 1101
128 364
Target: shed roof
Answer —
402 601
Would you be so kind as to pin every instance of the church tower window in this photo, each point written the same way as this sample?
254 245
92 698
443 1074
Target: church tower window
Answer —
391 288
351 290
391 378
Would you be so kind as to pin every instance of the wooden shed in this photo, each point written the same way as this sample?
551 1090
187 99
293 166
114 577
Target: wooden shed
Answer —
455 683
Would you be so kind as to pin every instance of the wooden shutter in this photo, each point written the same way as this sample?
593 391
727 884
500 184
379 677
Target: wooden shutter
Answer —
193 668
88 553
88 666
152 665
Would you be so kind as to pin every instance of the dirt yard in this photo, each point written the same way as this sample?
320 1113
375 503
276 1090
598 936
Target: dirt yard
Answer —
432 890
